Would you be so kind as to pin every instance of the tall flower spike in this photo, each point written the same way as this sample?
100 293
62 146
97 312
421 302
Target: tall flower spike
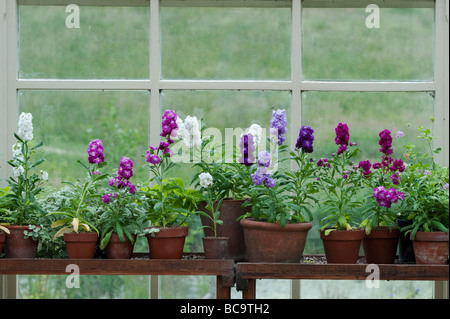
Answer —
247 146
279 122
305 139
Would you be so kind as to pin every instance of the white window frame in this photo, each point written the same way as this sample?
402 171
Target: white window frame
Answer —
10 83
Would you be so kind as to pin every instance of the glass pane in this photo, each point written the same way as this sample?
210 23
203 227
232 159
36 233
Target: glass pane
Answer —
225 43
66 121
111 42
357 289
187 287
366 114
337 44
91 287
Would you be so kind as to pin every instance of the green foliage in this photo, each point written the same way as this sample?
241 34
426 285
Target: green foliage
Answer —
20 203
341 186
425 184
78 215
168 202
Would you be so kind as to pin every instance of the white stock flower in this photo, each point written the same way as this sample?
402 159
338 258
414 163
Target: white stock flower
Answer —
44 175
18 171
189 131
25 124
206 180
256 131
17 153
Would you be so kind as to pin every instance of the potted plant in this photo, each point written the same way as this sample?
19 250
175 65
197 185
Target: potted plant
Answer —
340 184
215 247
426 204
19 203
119 223
231 177
381 230
169 203
275 229
3 229
78 218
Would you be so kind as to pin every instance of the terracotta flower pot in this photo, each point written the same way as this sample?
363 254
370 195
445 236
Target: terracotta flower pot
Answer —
117 249
168 243
230 211
431 247
380 246
16 246
215 247
342 246
80 245
269 242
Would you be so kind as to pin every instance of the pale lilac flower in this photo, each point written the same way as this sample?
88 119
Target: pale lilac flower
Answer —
279 122
264 158
399 134
445 187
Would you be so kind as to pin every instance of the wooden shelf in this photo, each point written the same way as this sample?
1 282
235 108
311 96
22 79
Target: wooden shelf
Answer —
228 273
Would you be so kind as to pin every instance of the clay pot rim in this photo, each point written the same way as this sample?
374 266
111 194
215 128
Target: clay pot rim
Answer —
295 227
164 232
215 238
80 237
383 232
430 236
343 235
115 238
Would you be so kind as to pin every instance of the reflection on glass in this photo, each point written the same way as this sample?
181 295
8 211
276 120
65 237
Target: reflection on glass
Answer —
111 42
337 44
225 43
66 121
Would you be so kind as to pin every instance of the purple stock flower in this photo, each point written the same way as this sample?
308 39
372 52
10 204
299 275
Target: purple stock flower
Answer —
169 123
264 159
124 173
342 137
395 178
305 139
397 165
365 165
262 174
106 199
385 142
387 197
247 146
279 122
95 152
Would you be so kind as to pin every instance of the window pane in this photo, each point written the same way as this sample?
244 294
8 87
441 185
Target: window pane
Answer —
337 44
66 121
225 43
111 42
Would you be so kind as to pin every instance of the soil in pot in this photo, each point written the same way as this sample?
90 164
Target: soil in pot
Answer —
16 246
168 243
342 246
269 242
380 246
80 245
431 247
117 249
215 247
230 211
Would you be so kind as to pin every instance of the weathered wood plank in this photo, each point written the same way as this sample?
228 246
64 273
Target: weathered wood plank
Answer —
341 271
